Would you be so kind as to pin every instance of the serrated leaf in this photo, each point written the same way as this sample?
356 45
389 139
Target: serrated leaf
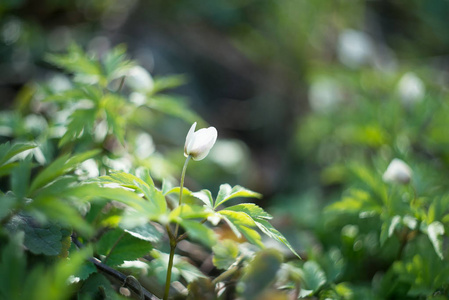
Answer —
146 232
155 197
39 239
313 276
241 224
120 246
227 193
225 254
254 211
116 63
272 232
86 269
8 151
81 122
206 197
60 166
260 273
86 69
186 211
199 232
435 231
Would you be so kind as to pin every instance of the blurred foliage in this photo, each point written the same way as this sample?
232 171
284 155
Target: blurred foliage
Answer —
325 94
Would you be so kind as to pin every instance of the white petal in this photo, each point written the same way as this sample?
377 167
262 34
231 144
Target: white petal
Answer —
397 171
189 139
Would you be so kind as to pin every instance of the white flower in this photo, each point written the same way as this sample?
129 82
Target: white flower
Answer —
411 89
355 48
398 172
198 144
139 79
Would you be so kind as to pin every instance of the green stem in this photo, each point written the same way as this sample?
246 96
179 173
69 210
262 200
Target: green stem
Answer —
170 266
113 247
174 237
181 187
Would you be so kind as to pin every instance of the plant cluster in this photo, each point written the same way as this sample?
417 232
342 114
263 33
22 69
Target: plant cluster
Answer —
90 209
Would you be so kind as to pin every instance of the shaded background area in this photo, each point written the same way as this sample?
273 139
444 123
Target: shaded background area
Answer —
256 70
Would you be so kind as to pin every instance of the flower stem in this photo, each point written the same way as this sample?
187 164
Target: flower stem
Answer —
181 187
174 237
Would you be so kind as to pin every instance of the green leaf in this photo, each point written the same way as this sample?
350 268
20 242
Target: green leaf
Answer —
174 106
86 69
313 277
51 283
388 228
115 110
12 267
206 197
199 232
260 273
39 239
356 202
225 254
8 151
227 193
156 199
146 232
115 62
121 246
186 211
252 210
435 231
98 286
241 224
81 122
7 202
168 82
59 167
272 232
20 177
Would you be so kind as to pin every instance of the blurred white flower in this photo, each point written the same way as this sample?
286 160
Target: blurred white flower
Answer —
88 169
144 145
411 89
397 172
230 155
139 79
355 48
199 143
324 95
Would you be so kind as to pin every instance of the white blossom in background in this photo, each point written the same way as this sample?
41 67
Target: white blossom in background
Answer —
230 155
144 145
397 172
411 89
355 48
324 95
139 79
199 143
88 169
138 99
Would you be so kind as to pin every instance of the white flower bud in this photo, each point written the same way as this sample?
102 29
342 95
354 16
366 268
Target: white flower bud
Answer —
397 172
199 143
139 79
